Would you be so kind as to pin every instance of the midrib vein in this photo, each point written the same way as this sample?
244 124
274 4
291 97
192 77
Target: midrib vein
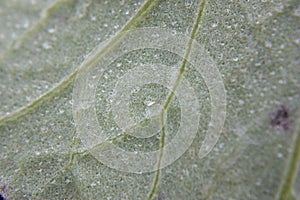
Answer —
96 55
290 174
171 96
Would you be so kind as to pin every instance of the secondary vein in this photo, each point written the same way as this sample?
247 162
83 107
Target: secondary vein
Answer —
172 94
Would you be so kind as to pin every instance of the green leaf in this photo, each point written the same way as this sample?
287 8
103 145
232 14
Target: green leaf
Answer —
47 48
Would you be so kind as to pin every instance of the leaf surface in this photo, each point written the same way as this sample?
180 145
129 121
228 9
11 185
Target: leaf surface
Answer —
44 47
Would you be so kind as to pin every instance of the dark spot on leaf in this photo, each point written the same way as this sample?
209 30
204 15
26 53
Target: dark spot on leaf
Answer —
281 119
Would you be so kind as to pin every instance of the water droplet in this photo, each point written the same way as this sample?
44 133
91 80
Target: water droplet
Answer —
214 25
228 26
297 41
241 102
257 64
282 46
268 44
149 103
46 45
174 22
93 184
235 59
105 75
188 3
280 155
93 18
258 183
116 26
26 24
60 111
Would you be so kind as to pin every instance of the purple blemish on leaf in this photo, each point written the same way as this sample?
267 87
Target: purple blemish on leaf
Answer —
281 119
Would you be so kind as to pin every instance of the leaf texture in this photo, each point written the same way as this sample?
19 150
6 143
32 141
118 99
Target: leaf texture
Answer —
45 46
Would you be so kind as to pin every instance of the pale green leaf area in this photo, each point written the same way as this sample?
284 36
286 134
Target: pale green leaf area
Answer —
14 26
44 45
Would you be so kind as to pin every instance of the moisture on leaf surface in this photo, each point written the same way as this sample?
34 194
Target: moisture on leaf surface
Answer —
118 99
